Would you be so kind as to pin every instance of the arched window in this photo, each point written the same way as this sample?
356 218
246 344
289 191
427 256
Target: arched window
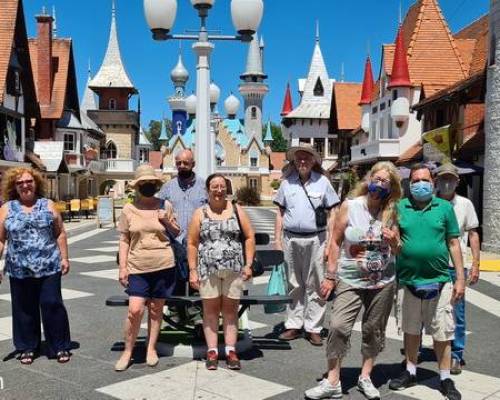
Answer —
254 112
112 104
318 89
111 150
254 158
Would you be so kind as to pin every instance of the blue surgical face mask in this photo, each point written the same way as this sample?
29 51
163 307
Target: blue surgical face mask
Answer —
421 190
375 188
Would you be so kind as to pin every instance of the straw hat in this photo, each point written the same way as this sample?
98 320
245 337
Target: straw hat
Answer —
145 173
307 148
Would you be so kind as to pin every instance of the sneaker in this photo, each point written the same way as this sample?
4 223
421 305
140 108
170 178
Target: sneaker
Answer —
290 334
456 367
325 390
366 387
449 391
232 360
212 360
405 380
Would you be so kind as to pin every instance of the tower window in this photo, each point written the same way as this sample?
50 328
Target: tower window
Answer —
112 104
111 150
69 142
254 159
318 89
254 112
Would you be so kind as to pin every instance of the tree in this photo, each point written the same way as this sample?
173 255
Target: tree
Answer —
279 143
154 131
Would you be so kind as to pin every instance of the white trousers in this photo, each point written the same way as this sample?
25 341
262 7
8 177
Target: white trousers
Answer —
306 268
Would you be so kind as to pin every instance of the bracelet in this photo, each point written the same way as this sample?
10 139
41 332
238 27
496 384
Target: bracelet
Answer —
331 276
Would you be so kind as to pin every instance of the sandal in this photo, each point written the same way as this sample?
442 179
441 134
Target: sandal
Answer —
63 356
26 357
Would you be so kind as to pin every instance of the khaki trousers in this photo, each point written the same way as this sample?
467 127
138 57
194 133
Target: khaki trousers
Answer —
306 268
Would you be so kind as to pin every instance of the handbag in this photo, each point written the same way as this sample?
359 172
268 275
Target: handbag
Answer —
257 267
320 213
277 286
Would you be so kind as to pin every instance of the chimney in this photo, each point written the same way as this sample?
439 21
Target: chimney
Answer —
44 56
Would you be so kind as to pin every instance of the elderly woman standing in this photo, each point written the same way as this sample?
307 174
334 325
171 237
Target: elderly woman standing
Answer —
361 270
146 261
217 268
37 256
305 199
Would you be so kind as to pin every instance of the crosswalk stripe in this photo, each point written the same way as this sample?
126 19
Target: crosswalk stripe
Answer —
482 301
98 258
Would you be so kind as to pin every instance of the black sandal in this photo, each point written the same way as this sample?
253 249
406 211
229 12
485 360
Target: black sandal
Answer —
26 357
63 356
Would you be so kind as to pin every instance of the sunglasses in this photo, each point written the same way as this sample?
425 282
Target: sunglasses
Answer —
25 182
187 163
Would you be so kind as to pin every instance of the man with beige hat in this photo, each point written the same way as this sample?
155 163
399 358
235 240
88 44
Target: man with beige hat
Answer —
305 200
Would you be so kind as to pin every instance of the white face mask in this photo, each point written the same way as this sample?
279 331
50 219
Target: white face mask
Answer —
446 187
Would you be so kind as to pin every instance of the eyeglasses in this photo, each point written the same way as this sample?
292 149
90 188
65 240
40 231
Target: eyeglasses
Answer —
381 180
25 182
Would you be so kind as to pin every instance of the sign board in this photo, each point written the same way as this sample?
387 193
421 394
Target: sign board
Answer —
437 145
51 153
105 211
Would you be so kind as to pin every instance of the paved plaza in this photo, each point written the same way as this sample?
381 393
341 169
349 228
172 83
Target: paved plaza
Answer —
271 370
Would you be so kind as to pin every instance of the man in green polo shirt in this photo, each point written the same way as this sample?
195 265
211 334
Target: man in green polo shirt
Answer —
429 236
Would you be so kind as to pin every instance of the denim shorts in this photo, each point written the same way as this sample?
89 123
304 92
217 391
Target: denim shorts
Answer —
152 285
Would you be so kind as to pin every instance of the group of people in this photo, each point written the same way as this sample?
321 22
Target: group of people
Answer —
185 236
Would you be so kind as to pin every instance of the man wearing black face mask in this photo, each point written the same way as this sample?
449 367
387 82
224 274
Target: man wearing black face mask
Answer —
447 179
186 192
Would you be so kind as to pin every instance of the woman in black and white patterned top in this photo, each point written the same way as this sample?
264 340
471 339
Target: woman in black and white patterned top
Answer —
217 268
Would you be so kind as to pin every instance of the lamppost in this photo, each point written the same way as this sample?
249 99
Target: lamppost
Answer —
246 16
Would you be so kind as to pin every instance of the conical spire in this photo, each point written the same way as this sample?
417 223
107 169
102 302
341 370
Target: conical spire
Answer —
268 138
254 59
317 77
112 72
287 103
88 101
163 133
400 76
367 90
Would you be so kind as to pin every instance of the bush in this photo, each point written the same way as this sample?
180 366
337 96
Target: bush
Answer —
275 184
248 196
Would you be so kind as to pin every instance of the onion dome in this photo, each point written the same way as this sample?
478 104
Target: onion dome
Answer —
179 74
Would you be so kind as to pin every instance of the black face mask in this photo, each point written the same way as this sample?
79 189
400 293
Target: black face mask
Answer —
185 174
147 189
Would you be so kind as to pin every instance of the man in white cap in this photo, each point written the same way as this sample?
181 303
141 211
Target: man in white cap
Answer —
305 199
447 179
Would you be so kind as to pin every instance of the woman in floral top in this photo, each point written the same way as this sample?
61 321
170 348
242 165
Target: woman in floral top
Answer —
36 258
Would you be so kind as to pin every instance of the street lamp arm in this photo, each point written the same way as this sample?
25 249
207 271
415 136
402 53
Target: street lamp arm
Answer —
241 38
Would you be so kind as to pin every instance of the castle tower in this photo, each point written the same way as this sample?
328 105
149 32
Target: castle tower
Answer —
253 88
177 102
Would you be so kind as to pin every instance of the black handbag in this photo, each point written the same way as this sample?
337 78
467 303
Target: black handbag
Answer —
257 266
320 213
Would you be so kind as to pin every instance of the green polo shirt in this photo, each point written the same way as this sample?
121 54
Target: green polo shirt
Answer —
424 234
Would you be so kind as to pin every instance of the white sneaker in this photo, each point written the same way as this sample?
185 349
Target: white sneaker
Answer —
366 387
325 390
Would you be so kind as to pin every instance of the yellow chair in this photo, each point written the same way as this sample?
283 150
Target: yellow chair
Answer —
75 206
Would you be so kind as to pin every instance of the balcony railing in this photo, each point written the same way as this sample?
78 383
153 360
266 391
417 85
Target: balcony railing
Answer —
374 150
121 165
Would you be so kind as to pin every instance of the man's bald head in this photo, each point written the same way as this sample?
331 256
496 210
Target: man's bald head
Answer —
184 162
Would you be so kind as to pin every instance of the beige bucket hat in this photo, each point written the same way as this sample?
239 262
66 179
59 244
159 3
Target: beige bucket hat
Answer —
145 173
290 154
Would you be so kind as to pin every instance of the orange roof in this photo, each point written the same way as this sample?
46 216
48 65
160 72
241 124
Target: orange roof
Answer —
473 44
345 105
434 59
62 92
277 160
155 159
414 153
13 34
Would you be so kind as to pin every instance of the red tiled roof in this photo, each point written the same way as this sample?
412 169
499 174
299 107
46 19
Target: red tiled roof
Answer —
8 18
400 74
155 159
62 55
277 160
414 153
476 50
345 100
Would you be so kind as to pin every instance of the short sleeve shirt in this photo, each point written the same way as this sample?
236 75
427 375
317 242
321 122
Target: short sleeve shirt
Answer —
150 248
466 218
299 215
424 235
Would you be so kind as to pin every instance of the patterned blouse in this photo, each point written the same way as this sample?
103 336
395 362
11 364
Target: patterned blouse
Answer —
220 245
32 250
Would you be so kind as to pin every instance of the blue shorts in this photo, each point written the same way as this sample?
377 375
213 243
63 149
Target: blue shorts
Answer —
152 285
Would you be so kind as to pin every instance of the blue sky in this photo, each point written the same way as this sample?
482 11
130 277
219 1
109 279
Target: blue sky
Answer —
348 29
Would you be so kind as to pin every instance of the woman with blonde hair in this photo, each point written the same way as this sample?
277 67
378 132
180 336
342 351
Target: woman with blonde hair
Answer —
361 270
36 258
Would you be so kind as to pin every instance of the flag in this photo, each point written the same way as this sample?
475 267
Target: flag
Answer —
439 139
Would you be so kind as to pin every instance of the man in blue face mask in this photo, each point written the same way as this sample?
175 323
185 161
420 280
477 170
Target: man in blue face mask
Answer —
429 236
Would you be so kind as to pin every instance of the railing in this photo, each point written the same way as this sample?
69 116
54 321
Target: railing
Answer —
382 148
121 165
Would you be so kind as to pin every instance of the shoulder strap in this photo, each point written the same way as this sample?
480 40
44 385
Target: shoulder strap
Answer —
307 194
242 236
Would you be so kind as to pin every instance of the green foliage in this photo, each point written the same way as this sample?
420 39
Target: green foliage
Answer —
248 196
154 131
279 142
275 184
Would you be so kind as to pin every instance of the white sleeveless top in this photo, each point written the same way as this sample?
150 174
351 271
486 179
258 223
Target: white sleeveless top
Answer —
365 259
